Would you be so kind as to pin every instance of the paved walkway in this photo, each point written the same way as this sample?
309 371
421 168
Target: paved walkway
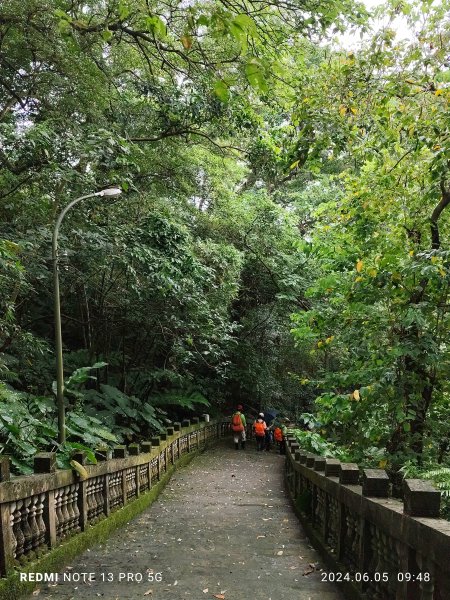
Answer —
223 528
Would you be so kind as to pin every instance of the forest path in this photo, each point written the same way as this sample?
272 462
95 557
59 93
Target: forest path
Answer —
223 527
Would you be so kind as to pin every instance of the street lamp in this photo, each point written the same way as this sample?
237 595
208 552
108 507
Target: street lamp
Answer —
58 335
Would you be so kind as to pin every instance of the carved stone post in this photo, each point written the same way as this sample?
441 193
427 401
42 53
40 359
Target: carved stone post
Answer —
45 462
420 498
375 484
49 513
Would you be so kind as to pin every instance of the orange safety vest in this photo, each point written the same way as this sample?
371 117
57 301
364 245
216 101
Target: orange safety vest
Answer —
278 434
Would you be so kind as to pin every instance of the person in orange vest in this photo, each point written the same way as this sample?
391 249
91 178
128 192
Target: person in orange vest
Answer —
278 436
238 425
259 428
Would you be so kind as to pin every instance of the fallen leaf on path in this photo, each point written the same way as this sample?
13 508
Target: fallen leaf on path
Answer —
36 592
260 536
148 592
312 567
280 552
205 591
220 596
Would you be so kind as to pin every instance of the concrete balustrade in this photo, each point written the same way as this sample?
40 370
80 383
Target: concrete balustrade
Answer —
376 546
40 511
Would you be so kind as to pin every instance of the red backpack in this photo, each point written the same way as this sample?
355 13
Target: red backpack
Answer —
278 434
260 430
236 422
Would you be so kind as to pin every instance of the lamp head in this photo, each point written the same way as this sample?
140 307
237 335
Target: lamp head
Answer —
113 191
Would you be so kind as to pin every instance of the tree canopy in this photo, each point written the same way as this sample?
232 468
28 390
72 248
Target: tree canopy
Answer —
281 240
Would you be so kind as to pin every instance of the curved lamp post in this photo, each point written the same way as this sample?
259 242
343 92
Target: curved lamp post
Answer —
58 335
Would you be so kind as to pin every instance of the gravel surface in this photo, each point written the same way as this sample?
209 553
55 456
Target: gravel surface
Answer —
223 528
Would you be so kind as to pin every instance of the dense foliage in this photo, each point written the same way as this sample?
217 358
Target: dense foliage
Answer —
282 235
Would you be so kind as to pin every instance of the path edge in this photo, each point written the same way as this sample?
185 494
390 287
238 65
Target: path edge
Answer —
11 588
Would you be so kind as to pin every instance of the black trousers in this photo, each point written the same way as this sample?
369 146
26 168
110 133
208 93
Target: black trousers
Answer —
260 442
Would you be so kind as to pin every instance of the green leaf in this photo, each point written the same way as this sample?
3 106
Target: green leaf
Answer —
245 23
221 90
107 34
255 75
157 26
106 435
443 76
124 11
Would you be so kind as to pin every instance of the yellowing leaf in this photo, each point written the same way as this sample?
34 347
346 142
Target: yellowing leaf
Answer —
83 474
382 464
411 252
319 344
434 259
442 272
438 92
342 110
356 395
359 266
186 40
372 272
358 279
294 164
329 339
354 110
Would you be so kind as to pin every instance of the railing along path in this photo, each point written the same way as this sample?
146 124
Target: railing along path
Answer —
381 548
378 547
38 512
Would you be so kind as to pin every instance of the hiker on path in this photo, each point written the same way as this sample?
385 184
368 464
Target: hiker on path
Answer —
279 439
260 427
238 425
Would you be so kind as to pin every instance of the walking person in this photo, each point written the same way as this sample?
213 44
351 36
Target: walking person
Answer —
279 439
238 425
259 427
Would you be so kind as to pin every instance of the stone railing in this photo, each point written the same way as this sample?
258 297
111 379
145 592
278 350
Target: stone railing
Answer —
377 547
40 511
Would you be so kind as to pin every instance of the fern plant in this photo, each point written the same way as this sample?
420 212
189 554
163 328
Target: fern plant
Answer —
441 479
439 475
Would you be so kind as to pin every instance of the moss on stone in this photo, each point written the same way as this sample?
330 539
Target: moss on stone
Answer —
11 588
